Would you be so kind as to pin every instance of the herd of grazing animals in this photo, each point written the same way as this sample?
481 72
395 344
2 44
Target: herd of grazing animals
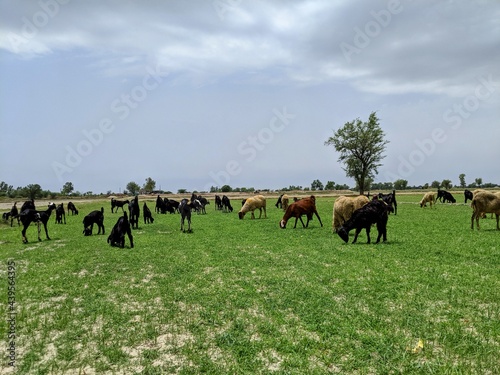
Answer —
349 212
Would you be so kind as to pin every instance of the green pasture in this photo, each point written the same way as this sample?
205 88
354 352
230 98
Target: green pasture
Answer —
246 297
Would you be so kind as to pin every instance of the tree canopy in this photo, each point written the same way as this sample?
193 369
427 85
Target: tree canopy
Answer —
67 189
361 146
149 185
133 188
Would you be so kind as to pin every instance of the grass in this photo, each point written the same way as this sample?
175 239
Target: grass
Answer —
247 297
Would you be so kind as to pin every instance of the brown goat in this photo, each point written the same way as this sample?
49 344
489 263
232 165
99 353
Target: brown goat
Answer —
305 206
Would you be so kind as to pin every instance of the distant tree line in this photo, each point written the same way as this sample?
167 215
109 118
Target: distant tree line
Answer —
35 191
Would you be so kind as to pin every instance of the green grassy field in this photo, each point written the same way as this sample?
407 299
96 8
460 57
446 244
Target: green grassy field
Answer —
244 296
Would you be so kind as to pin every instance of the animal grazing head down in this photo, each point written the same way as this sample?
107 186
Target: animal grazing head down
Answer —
241 215
342 232
282 224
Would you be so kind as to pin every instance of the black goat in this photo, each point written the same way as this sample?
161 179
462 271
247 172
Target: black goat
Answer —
390 199
60 214
278 203
118 204
218 203
95 217
160 205
172 205
117 235
30 215
447 197
202 203
444 196
226 204
28 204
72 208
374 212
468 195
134 212
185 208
13 214
148 218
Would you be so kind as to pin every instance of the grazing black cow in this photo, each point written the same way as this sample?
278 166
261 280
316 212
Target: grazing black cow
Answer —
134 212
218 203
117 235
118 204
60 214
30 215
468 195
95 217
148 218
226 204
390 199
374 212
72 208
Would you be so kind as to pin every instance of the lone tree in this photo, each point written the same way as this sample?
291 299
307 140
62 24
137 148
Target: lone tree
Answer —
67 189
461 177
446 184
400 184
133 188
360 145
150 185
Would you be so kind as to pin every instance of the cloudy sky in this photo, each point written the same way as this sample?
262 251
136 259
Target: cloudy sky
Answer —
204 93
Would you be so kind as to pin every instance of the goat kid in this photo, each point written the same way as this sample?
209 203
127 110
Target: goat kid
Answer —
148 217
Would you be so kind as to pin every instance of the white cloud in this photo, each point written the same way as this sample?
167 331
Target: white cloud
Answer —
259 56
